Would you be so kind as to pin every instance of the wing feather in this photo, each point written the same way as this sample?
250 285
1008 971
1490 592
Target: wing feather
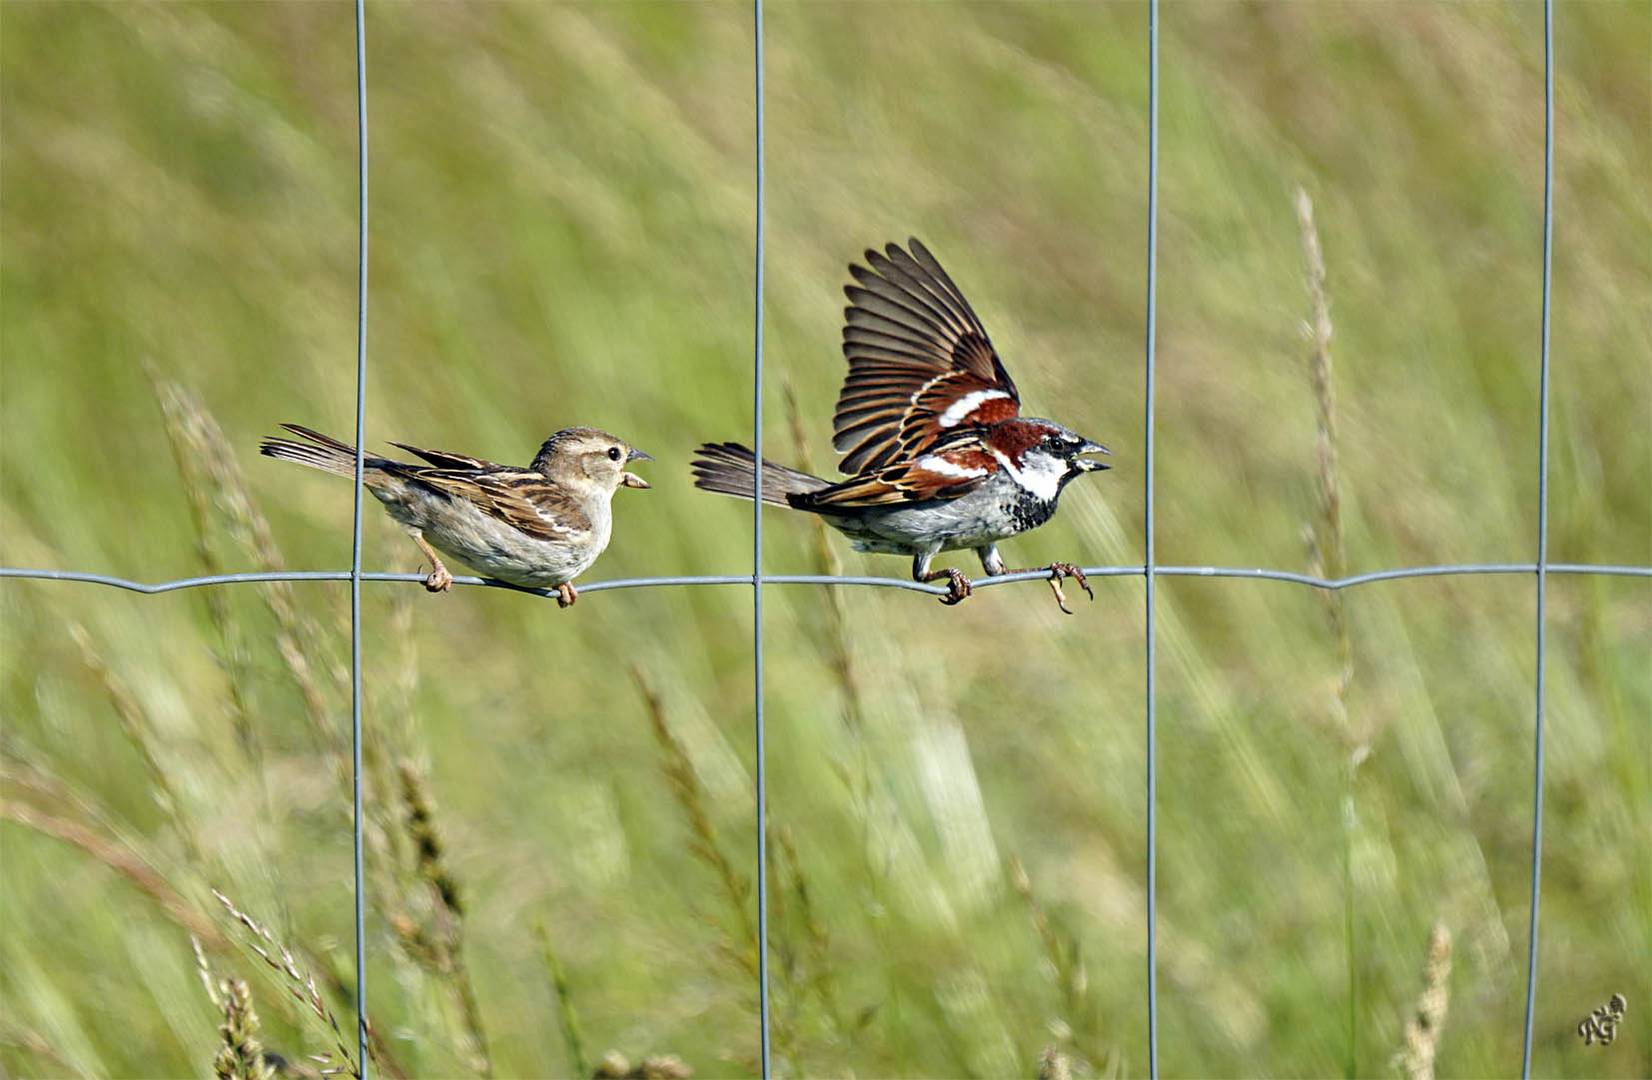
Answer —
920 363
894 285
942 472
446 459
908 314
521 498
900 334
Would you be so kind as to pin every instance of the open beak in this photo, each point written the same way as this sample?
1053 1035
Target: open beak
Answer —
1090 464
630 479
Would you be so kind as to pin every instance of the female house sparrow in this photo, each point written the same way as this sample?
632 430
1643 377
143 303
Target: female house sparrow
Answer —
538 527
929 422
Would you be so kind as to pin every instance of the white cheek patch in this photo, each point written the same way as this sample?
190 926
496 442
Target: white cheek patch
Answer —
940 466
967 404
1040 475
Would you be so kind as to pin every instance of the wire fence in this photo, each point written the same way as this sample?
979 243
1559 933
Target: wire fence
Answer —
757 580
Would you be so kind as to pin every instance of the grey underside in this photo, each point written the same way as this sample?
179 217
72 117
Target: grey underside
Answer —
994 511
491 547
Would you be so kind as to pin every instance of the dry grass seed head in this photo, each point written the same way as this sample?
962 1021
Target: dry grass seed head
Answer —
211 477
443 950
1052 1065
140 732
690 798
300 982
567 1016
1422 1030
615 1066
241 1057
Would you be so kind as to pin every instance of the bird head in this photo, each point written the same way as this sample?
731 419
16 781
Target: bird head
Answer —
584 456
1047 455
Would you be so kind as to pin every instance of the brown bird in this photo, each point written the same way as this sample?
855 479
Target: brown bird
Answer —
538 527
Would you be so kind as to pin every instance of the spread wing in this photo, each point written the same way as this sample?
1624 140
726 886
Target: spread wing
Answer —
920 363
947 469
444 459
521 498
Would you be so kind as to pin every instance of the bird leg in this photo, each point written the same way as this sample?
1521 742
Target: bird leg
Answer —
565 594
958 586
1059 572
440 579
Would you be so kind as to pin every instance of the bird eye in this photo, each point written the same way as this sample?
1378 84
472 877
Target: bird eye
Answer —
613 453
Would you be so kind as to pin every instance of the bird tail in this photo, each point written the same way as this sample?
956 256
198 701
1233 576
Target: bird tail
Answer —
322 452
731 469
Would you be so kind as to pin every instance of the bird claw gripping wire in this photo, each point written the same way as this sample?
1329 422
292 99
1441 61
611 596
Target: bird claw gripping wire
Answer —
1061 570
958 587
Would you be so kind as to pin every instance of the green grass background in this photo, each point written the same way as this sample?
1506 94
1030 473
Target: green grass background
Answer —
561 233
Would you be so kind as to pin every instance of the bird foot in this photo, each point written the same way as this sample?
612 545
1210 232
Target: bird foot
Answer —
1062 570
440 579
1059 572
565 595
958 586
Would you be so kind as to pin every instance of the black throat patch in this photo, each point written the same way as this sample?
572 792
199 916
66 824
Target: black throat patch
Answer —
1028 511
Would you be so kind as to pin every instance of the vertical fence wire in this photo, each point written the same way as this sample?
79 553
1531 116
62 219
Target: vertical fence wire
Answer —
1150 569
355 535
1542 532
757 563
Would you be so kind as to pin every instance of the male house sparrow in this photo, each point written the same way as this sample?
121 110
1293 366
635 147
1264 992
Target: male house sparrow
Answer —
929 422
538 527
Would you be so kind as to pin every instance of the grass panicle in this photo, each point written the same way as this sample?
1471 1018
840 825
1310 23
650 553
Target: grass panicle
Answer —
1326 537
1422 1029
616 1066
739 948
208 463
117 856
566 1015
427 843
241 1056
36 1045
1325 405
1328 557
819 972
140 732
1053 1065
299 982
690 797
440 946
1061 952
231 644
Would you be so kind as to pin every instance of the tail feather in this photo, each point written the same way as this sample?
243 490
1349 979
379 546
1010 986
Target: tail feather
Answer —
731 469
327 453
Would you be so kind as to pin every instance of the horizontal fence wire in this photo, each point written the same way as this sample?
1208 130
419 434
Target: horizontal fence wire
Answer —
254 577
